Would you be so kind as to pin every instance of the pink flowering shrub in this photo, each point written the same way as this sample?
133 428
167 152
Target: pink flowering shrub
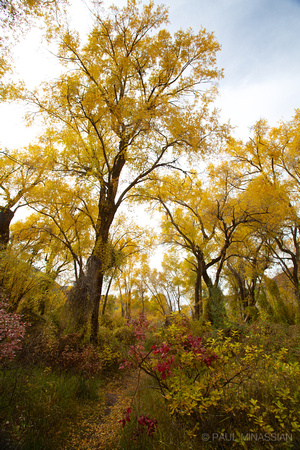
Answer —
12 332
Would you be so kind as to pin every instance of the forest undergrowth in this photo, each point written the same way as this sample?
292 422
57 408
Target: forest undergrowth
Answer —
147 384
102 429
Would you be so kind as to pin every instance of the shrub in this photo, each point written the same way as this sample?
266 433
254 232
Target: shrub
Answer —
12 332
124 335
105 335
29 289
230 383
67 353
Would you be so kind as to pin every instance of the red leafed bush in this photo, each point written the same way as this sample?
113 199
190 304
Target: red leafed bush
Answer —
148 424
144 423
126 417
12 332
177 348
68 354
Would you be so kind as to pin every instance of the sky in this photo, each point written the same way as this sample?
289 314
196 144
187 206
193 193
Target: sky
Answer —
260 56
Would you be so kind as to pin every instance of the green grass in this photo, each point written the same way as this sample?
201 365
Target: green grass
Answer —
38 405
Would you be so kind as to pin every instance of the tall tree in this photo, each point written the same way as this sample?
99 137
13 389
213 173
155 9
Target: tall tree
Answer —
269 162
173 279
131 245
131 103
67 215
20 172
60 231
248 260
205 221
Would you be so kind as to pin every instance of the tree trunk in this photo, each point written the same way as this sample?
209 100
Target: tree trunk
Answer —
102 257
198 294
106 294
178 298
295 278
6 216
95 281
216 309
128 306
121 300
85 297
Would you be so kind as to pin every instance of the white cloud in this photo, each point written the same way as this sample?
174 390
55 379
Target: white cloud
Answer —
260 55
246 103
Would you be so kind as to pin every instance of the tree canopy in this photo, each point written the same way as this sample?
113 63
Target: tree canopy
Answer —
131 103
130 120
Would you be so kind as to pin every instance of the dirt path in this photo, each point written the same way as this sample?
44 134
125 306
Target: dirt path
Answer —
102 431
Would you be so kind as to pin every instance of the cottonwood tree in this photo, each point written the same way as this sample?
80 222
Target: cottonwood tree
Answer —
20 172
66 214
270 163
131 103
34 237
245 270
281 231
130 286
58 236
173 279
158 301
204 221
131 245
